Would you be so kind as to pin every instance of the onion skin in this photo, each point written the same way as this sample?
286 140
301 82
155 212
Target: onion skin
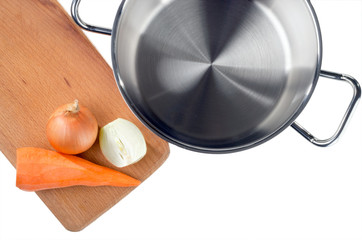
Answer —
72 129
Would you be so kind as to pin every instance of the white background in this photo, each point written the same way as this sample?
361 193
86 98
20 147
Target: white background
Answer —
283 189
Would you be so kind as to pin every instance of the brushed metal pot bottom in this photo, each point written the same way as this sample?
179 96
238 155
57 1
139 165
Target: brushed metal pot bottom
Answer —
219 76
216 76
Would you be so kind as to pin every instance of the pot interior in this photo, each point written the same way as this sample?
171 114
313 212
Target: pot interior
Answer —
216 76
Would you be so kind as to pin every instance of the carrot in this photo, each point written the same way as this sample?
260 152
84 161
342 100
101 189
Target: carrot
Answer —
40 169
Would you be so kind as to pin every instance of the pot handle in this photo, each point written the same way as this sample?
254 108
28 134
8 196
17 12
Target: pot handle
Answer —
82 24
356 96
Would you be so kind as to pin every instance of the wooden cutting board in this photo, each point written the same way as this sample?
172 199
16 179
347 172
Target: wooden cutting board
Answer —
46 61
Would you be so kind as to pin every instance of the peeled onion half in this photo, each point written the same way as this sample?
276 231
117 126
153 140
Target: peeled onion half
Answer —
122 143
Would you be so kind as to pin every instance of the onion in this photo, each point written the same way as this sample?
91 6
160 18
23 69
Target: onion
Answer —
72 129
122 143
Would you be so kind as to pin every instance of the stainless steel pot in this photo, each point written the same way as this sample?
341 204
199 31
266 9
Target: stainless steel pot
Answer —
218 76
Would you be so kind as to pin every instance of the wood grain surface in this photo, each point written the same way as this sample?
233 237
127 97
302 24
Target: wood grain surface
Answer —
46 61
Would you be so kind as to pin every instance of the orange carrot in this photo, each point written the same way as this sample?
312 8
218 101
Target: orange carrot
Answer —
39 169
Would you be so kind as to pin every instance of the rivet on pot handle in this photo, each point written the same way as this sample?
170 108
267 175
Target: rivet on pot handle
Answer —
82 24
356 96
